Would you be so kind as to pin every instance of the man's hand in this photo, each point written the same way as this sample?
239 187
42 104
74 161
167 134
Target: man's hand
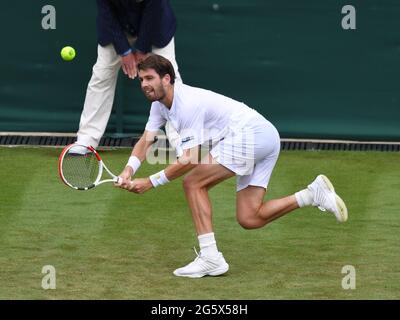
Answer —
129 65
140 56
125 176
139 185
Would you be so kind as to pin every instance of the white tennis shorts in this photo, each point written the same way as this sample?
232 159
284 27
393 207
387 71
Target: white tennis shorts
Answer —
250 152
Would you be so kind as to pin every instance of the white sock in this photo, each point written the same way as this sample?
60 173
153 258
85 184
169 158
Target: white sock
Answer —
304 198
208 245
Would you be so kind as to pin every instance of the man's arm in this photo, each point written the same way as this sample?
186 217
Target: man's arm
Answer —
184 164
151 14
110 28
137 156
157 26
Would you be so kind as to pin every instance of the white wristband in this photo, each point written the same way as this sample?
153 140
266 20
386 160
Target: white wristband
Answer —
159 179
134 163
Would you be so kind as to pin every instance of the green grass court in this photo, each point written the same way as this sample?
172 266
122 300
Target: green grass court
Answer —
107 243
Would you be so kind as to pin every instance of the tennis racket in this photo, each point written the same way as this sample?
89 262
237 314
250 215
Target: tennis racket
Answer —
81 167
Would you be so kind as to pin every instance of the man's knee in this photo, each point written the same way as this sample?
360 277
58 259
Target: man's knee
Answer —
193 182
189 183
246 221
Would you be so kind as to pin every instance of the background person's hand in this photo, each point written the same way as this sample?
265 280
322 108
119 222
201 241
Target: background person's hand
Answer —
129 65
140 56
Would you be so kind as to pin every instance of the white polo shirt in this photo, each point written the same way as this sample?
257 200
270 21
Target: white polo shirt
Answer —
199 115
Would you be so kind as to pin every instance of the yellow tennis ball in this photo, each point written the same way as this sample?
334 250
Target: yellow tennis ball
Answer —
68 53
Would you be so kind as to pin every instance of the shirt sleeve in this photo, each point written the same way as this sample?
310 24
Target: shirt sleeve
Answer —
151 13
110 27
156 119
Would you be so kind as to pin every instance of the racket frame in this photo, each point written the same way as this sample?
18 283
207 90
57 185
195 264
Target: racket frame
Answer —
101 164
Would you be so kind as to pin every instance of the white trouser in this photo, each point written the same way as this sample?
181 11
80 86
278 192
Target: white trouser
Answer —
101 90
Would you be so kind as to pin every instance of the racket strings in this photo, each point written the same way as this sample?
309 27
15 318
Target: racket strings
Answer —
80 169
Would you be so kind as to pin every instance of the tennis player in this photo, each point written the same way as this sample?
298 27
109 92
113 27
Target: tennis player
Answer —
244 144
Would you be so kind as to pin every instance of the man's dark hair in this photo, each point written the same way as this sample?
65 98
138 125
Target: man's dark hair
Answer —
161 65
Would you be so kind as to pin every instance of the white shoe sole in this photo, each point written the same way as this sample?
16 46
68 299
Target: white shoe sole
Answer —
342 215
214 273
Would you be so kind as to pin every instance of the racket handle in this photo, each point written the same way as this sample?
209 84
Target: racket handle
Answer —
118 180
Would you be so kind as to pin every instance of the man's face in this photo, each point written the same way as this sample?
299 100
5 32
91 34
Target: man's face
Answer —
152 85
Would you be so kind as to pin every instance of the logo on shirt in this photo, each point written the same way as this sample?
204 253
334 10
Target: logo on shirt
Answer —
187 139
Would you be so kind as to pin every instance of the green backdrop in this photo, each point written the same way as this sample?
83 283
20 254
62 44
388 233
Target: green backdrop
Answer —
289 59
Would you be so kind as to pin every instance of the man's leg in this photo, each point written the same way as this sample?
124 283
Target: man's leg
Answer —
252 212
196 185
99 97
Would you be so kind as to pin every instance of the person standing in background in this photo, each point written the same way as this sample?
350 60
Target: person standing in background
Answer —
127 30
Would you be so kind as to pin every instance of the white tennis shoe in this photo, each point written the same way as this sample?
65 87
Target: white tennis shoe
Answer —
203 266
79 150
325 198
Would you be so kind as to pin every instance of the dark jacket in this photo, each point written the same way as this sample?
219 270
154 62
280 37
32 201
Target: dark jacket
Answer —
151 21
